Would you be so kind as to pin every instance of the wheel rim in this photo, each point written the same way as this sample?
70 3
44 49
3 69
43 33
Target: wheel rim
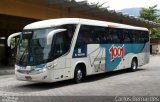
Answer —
134 65
79 74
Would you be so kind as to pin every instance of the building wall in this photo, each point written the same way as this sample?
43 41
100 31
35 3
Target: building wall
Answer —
15 14
156 48
38 11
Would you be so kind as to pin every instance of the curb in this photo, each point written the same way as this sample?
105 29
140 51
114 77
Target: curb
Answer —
6 71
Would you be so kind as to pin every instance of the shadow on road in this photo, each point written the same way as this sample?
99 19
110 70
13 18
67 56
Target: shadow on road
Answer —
32 87
107 75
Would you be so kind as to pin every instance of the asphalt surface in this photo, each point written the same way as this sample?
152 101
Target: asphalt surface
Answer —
144 82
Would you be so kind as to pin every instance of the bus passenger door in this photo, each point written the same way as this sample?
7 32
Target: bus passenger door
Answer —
61 71
60 48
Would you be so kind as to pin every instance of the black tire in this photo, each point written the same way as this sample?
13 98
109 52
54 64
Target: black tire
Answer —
134 65
78 75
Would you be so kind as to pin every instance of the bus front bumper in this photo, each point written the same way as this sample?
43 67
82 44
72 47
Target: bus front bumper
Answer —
41 77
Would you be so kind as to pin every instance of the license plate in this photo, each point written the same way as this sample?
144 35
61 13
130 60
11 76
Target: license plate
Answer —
28 77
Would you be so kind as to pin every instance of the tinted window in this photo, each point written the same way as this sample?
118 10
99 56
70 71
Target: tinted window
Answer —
91 35
99 34
61 41
144 36
85 35
126 36
135 36
103 35
139 36
114 36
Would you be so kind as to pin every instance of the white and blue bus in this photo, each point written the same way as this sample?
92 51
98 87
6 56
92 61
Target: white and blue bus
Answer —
71 48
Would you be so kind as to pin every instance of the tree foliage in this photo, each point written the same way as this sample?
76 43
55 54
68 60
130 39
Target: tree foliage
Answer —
155 33
99 5
151 14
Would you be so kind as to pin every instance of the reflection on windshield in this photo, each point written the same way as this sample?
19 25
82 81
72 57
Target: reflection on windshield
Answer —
33 49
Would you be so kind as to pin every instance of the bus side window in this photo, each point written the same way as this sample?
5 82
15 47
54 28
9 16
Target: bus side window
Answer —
84 36
95 36
68 35
115 38
99 34
61 41
135 36
138 37
115 34
141 34
144 36
59 47
109 38
102 38
126 36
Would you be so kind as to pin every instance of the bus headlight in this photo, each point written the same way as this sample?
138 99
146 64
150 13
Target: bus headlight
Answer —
51 65
41 70
44 69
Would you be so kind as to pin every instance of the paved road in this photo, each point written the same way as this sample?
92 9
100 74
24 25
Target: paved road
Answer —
144 82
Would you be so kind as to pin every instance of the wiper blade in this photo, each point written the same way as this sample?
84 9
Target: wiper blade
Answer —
23 54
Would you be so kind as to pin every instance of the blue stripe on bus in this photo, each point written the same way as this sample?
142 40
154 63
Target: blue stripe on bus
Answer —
128 48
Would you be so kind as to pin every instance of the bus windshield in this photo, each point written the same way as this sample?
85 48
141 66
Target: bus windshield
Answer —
33 49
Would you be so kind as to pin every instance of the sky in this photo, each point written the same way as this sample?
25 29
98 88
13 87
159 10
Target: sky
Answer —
121 4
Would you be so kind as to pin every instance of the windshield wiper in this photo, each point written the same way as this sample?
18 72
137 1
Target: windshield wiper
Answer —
23 54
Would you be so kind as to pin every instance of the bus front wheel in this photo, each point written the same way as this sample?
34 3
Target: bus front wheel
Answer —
134 65
78 75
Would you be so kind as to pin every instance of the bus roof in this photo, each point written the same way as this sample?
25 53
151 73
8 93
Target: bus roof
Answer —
62 21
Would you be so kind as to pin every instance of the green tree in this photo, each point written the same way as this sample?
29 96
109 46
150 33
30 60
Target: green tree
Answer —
151 14
155 33
99 5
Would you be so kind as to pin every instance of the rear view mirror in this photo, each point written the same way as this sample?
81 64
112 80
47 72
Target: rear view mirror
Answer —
12 36
51 34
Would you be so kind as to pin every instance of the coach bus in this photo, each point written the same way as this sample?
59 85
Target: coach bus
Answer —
72 48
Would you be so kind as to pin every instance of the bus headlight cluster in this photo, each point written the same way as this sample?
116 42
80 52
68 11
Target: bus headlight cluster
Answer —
51 65
44 69
41 70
